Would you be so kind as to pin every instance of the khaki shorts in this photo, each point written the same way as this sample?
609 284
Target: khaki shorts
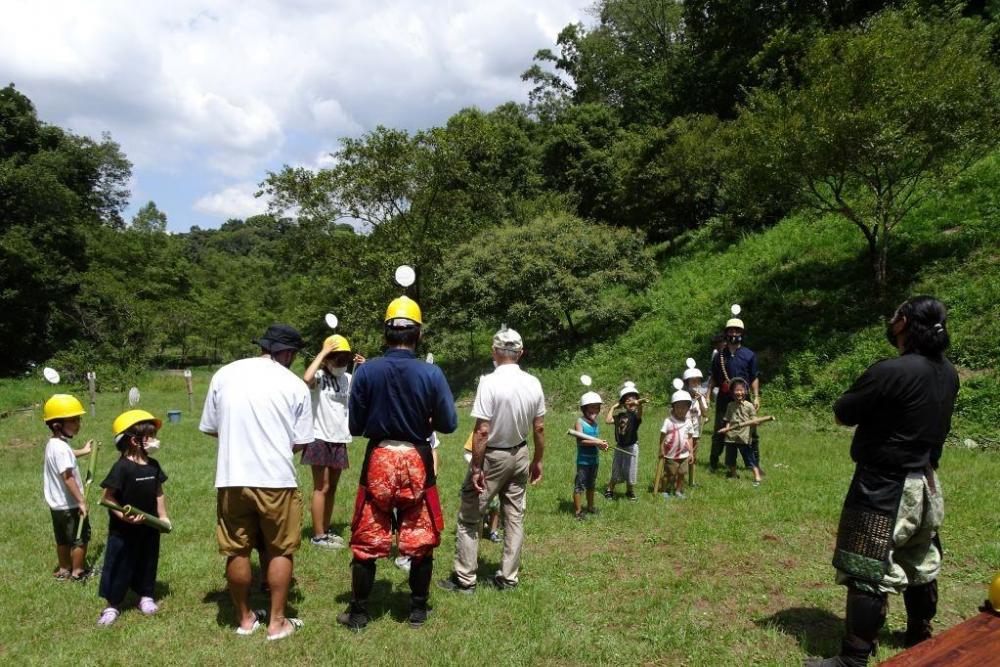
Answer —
677 467
248 517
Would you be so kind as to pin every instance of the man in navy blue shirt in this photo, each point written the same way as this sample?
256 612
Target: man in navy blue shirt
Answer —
397 402
734 361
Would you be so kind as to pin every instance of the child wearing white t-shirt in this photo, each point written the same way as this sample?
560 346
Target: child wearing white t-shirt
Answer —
675 442
63 487
327 376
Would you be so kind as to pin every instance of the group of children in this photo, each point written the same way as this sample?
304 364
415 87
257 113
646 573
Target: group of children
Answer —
678 444
135 480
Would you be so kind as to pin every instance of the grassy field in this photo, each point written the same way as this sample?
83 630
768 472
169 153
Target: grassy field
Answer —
732 575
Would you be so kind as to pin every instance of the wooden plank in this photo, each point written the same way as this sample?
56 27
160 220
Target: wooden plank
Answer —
975 642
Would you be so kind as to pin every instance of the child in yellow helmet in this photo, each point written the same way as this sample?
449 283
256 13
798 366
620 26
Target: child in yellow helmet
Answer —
132 553
63 487
327 376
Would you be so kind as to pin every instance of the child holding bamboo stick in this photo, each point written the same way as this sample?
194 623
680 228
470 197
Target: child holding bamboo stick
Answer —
587 451
63 487
696 415
132 554
626 415
738 435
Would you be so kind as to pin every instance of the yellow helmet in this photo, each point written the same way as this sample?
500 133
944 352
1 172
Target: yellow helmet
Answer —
127 420
62 406
403 308
337 343
995 594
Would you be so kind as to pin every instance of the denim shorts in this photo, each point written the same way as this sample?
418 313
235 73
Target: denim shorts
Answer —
586 478
745 451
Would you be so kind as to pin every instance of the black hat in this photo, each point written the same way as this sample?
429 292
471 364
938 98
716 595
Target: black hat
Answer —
279 337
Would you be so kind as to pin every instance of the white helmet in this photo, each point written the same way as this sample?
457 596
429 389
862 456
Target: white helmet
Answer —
628 388
590 398
680 395
692 373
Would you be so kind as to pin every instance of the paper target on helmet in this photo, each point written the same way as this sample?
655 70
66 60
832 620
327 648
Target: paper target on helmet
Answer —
690 363
586 380
736 309
405 275
331 320
133 396
51 375
678 384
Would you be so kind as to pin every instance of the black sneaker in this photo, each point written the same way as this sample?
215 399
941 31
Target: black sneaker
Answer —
452 586
631 497
608 494
354 618
579 516
418 617
501 584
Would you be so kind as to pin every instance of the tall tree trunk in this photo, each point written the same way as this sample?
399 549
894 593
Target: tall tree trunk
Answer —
569 320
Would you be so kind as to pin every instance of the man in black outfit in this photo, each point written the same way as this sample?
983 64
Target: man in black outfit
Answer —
888 540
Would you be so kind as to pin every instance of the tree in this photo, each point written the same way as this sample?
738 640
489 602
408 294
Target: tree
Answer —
885 114
54 187
554 276
150 220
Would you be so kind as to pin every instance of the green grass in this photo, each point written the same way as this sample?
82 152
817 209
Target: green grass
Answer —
810 308
732 575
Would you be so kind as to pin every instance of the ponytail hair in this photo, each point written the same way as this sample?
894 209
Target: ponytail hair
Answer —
926 326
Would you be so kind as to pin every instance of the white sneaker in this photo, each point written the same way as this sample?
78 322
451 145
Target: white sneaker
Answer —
403 563
324 542
333 537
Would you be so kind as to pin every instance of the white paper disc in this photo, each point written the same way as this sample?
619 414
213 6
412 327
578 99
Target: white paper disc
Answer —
736 309
691 363
405 275
51 374
331 320
678 384
133 396
585 380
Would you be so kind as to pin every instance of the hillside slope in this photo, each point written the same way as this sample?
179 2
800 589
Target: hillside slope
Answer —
810 306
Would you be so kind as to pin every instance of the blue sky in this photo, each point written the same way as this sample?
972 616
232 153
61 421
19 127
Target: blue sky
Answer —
205 97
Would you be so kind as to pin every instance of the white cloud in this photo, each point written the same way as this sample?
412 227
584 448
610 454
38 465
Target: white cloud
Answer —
236 88
235 201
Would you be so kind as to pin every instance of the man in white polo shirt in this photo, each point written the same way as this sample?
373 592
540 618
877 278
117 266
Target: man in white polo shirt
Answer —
259 410
509 405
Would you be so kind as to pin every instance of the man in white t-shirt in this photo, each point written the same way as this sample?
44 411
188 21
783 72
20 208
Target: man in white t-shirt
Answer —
509 406
259 410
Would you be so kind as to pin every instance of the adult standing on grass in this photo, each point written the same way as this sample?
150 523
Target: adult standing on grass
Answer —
397 402
888 540
509 406
733 361
259 410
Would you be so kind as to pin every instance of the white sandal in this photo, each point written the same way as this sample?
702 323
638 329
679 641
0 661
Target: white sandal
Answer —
108 616
258 615
295 623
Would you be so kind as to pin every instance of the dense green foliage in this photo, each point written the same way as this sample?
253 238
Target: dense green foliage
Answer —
699 127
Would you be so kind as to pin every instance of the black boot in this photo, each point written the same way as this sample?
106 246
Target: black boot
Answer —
865 617
356 615
921 608
421 571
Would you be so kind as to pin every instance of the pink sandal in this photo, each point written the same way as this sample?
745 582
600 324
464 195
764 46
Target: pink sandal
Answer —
148 606
108 616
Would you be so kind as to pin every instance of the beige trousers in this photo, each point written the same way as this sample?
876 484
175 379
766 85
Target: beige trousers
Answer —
507 477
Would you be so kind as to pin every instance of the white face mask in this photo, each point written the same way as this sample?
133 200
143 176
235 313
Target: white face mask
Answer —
495 364
337 371
152 445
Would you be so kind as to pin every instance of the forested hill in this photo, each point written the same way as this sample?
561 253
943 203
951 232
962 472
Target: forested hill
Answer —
814 161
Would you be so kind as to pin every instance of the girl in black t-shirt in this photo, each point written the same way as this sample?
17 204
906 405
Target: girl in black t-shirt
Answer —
132 553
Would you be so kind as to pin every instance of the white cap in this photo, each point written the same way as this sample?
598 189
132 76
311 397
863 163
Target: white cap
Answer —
507 339
628 388
680 395
590 398
692 373
735 323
